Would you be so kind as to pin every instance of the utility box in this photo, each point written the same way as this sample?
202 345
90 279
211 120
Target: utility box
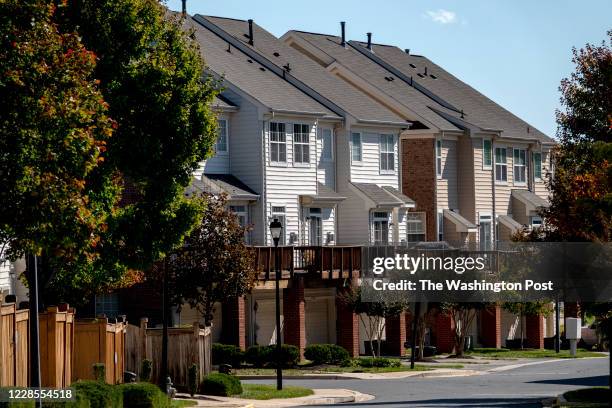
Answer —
573 328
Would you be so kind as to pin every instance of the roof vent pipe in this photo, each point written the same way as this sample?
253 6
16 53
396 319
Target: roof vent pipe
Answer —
184 7
342 28
369 41
250 31
407 51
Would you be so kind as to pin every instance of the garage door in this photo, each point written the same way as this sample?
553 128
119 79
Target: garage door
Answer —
264 321
317 322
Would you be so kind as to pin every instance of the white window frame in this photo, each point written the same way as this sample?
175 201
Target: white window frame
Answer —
438 149
386 153
500 165
301 148
280 212
222 131
353 160
377 217
537 168
519 167
330 149
440 225
535 221
488 219
416 219
281 144
486 166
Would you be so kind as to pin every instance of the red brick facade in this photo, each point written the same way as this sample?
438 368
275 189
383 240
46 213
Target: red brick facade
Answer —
534 332
233 329
395 328
490 335
419 179
444 330
347 328
294 315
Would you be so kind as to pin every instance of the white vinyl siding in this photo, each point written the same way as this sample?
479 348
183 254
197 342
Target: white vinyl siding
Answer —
278 143
219 163
369 170
501 165
520 166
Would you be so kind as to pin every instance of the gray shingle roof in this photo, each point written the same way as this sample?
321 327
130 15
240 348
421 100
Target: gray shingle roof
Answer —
316 77
379 195
222 103
463 225
399 195
251 78
221 183
530 198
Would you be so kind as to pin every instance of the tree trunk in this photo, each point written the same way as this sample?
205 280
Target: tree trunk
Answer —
522 333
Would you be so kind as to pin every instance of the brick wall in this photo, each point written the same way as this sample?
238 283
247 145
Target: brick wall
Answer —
534 332
347 326
419 179
490 335
395 328
444 331
294 315
233 326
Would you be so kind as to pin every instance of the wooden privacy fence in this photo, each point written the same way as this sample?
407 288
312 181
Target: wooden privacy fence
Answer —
186 346
14 343
56 346
98 341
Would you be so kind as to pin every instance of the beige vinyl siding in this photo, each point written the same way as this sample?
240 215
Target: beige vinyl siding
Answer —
466 178
284 183
368 171
446 190
482 180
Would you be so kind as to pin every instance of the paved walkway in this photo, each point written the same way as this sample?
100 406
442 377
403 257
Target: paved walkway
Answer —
320 397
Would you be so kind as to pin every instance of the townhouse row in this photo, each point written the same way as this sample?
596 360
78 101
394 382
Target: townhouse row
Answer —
352 143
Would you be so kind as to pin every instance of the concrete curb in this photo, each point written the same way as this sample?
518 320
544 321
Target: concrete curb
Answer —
370 376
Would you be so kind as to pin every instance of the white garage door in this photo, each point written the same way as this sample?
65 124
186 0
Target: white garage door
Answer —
317 322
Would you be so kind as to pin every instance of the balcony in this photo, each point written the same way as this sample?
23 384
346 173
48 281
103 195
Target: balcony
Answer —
327 262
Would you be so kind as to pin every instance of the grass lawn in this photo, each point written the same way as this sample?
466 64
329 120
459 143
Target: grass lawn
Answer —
338 369
266 392
178 403
529 353
588 397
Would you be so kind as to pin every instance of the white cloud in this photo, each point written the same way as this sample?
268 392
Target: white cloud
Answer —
442 16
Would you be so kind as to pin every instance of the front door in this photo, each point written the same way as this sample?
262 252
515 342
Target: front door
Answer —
315 228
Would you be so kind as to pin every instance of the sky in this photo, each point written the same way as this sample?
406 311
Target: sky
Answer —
514 51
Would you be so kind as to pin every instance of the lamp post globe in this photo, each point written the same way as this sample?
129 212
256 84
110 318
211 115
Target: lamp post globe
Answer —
276 229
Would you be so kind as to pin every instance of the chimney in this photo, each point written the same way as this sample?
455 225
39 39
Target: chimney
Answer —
369 41
184 7
250 31
342 27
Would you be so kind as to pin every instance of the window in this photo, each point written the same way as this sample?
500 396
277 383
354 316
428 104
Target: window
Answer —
381 227
439 157
315 227
301 147
278 143
487 158
107 304
440 226
356 147
537 166
387 153
501 167
486 238
327 152
415 227
279 214
535 221
221 146
241 214
520 156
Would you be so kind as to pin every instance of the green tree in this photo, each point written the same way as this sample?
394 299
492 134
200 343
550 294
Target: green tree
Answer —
214 264
463 315
54 135
151 74
522 309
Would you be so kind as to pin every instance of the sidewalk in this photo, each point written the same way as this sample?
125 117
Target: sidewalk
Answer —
320 397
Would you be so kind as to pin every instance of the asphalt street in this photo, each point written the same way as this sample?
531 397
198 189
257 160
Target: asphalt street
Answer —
515 387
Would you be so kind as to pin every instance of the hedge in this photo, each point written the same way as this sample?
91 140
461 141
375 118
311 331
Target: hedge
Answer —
227 354
260 356
326 354
143 395
223 385
368 362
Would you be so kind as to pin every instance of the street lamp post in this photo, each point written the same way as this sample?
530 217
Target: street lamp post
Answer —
276 229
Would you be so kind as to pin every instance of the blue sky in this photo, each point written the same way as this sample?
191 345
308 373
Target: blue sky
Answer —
513 51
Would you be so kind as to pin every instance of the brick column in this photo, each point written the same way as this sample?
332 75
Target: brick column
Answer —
490 334
294 315
233 315
445 333
395 328
347 327
534 331
409 323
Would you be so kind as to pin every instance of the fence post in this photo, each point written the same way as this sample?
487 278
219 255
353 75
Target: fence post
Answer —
144 353
51 341
102 322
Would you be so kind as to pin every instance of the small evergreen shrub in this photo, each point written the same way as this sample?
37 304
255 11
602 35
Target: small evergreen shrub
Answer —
98 394
146 368
192 379
368 362
143 395
223 385
338 354
289 355
227 354
258 356
318 353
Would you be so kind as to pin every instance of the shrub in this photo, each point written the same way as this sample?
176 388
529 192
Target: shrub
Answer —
369 362
98 394
146 368
318 353
223 385
143 395
289 355
192 381
227 354
258 356
338 354
99 370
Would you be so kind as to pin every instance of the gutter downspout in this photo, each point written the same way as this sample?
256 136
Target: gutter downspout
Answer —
264 194
493 212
